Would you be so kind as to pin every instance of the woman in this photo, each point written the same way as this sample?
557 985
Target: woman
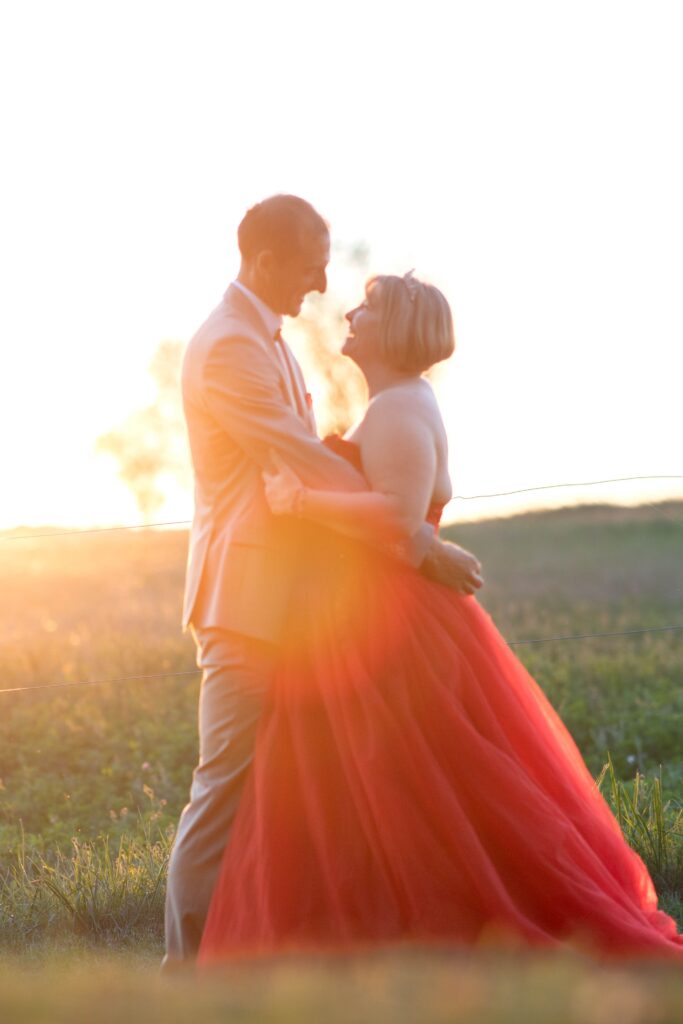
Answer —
411 783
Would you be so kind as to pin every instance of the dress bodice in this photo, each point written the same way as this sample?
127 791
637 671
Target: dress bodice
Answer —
351 452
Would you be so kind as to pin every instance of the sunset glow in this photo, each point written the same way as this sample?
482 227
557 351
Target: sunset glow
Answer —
523 157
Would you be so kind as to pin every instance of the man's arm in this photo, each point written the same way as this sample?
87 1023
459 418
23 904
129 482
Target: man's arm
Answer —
241 391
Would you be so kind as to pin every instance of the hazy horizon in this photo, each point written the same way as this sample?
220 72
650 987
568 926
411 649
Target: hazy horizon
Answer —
664 507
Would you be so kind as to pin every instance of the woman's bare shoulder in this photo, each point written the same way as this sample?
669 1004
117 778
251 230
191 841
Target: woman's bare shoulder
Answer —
410 403
415 395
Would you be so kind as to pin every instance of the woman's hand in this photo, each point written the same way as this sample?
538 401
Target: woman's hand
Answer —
453 566
284 490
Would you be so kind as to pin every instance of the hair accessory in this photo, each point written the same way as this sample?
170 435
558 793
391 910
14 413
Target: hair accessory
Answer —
411 284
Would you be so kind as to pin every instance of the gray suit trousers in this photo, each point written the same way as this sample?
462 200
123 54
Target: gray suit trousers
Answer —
237 672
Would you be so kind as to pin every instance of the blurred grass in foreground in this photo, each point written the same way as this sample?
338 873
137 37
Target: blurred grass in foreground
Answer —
382 988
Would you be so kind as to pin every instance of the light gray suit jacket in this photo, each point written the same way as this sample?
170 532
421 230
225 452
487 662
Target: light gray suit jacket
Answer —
239 404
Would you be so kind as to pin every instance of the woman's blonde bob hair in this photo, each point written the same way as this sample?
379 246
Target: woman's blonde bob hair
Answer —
416 328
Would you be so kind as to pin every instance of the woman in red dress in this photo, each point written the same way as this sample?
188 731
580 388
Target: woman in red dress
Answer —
411 782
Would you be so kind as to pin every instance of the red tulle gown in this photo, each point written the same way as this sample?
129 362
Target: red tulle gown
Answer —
412 784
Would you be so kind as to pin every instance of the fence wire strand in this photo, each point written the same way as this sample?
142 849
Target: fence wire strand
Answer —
456 497
550 487
193 672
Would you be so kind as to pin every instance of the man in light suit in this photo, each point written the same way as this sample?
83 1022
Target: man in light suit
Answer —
244 396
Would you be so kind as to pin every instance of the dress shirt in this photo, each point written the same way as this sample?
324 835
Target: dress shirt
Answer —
273 321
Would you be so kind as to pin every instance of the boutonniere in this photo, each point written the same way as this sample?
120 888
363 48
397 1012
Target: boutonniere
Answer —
309 400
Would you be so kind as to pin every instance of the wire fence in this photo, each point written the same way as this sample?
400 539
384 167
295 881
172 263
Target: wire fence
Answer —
195 671
34 687
456 497
551 487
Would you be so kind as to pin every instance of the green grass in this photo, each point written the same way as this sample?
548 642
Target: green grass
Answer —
92 779
654 828
105 890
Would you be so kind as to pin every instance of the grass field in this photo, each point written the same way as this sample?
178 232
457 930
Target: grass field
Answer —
92 778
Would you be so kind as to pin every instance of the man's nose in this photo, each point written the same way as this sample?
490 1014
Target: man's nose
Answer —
321 285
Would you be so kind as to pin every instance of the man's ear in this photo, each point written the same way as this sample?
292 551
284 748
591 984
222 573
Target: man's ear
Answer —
265 263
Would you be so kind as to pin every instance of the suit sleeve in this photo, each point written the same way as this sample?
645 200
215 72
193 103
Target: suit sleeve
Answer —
241 390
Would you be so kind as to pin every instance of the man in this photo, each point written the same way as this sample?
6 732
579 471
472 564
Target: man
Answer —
244 396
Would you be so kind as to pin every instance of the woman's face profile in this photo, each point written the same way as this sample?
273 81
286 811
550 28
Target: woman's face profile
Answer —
362 340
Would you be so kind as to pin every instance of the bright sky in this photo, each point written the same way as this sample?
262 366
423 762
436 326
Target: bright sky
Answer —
524 156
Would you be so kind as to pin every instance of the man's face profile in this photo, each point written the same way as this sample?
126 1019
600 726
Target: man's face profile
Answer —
296 274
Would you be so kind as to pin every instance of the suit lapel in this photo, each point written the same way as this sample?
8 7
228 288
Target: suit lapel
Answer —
239 305
291 378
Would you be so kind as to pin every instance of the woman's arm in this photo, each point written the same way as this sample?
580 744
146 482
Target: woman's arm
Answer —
373 516
399 460
364 514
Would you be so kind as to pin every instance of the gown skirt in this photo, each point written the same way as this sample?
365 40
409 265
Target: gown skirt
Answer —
411 783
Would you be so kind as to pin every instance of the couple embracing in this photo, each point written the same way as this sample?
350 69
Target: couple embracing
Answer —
375 766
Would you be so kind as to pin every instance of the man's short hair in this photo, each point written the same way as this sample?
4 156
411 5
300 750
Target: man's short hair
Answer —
279 224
